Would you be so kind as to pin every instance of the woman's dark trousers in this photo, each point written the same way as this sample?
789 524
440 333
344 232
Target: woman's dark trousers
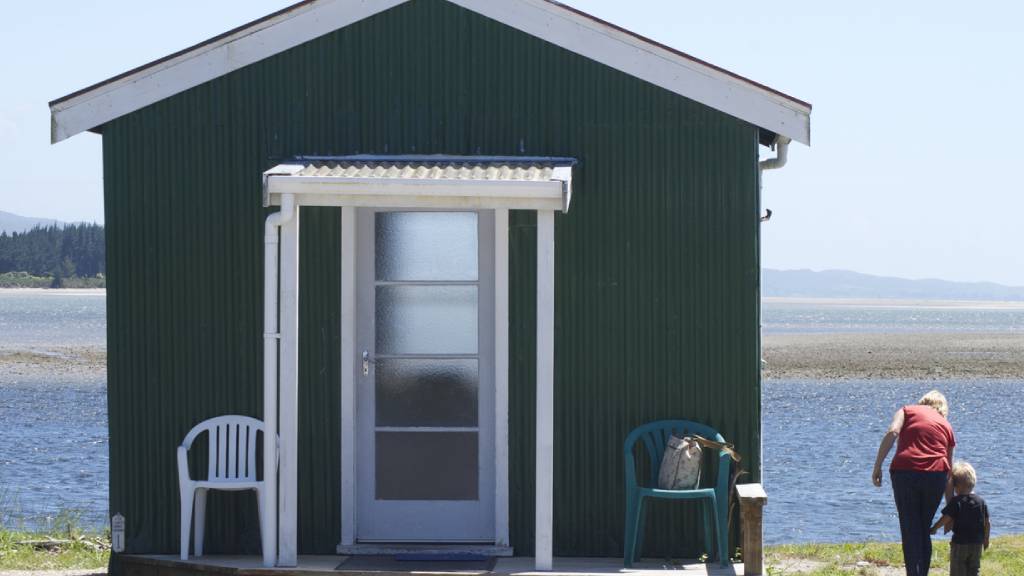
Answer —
917 497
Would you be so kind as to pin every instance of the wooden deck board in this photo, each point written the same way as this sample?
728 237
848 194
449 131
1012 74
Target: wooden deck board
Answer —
171 565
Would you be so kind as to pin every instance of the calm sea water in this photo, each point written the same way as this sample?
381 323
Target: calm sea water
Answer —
820 437
53 451
888 317
38 319
820 441
53 429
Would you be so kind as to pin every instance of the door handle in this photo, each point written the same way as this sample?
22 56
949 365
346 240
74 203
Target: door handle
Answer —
366 362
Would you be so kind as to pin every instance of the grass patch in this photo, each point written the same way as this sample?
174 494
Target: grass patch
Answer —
26 280
63 547
1005 557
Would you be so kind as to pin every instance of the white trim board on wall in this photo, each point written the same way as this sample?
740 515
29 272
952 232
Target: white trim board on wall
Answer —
350 352
550 21
348 376
501 504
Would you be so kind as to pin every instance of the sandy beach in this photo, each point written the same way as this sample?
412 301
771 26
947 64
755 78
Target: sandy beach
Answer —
961 355
61 362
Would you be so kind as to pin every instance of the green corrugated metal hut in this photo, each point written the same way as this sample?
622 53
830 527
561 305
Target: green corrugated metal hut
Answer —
431 146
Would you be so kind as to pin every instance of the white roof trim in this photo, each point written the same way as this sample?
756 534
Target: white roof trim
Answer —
164 78
550 21
652 62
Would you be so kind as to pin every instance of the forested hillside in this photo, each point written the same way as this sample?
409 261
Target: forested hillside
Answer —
59 254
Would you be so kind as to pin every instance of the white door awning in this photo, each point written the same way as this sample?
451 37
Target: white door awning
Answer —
470 182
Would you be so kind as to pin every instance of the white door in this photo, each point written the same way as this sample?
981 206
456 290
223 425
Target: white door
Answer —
425 394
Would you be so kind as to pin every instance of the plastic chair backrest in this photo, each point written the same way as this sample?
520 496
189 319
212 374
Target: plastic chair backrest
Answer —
655 436
232 446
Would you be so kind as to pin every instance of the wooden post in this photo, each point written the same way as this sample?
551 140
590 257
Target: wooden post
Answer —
752 500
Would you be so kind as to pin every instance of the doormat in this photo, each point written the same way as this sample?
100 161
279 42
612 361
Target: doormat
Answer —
453 562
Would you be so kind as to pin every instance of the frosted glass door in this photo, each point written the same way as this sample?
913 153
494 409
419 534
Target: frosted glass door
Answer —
425 453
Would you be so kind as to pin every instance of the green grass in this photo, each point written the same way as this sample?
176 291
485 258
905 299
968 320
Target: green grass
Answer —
26 280
1005 557
63 547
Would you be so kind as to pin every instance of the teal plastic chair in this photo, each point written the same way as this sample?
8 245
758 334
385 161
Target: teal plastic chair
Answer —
714 500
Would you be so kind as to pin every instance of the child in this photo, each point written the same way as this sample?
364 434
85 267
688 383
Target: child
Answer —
967 514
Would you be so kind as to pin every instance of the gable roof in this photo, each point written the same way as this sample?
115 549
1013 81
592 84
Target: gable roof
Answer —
571 29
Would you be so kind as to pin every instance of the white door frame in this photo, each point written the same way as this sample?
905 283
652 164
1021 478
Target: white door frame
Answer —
284 185
351 364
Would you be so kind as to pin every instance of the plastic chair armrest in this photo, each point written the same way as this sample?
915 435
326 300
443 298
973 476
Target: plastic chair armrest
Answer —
724 462
183 477
630 466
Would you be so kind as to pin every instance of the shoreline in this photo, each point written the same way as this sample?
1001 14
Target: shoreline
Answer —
55 291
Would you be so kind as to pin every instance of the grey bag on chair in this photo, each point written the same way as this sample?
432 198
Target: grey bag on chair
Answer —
680 466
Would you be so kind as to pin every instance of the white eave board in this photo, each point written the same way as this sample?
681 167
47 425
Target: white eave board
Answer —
544 19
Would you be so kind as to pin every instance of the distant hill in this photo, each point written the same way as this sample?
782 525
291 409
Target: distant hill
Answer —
13 223
846 284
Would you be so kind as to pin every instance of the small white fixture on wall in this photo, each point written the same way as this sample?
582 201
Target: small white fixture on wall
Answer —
117 533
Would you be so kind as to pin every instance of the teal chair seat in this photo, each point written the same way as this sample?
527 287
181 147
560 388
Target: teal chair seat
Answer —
714 500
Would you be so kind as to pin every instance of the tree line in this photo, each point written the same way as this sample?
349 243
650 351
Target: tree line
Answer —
68 251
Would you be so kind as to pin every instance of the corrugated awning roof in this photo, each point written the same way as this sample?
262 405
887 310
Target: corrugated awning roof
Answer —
424 181
427 168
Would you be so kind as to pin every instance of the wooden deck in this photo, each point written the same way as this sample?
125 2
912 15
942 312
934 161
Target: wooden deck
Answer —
171 565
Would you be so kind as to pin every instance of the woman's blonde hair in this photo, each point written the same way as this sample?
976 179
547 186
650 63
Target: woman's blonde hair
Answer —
936 400
964 476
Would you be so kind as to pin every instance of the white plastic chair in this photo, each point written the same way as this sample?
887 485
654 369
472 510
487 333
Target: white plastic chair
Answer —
232 466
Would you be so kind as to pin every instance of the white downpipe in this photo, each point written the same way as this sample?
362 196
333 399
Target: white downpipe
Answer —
271 337
781 155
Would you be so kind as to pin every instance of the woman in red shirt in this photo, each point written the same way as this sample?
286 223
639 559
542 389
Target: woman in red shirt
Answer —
919 472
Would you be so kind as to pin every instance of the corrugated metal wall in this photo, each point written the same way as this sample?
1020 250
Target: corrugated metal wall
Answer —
657 264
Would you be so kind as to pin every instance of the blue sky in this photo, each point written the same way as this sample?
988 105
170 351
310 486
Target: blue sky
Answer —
917 112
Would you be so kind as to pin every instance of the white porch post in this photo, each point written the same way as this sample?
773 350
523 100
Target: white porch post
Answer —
289 403
543 547
348 376
501 537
